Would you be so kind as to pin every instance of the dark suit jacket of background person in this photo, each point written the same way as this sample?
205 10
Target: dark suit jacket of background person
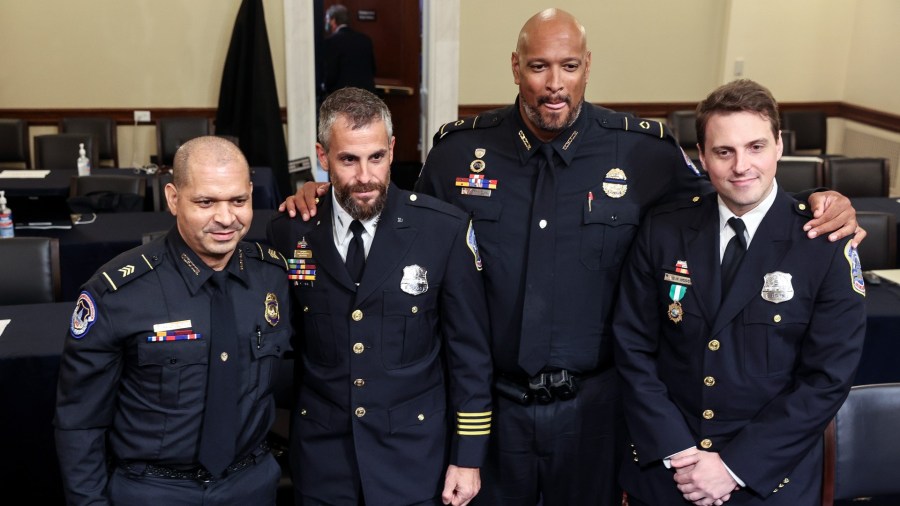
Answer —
411 362
126 398
772 374
349 61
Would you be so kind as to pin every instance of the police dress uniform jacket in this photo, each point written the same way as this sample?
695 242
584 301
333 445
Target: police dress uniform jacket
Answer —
755 377
612 168
134 366
388 364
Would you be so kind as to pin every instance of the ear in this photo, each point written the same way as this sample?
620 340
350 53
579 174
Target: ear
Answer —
391 150
779 145
587 66
702 157
172 198
322 156
514 60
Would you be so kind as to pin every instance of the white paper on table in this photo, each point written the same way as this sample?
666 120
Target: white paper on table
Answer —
23 174
3 324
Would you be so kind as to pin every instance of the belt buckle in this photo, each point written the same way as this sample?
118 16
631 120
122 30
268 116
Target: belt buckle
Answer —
539 385
563 385
203 476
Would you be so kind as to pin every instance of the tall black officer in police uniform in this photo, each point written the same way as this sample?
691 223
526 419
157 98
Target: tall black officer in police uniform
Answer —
556 188
165 386
394 405
730 380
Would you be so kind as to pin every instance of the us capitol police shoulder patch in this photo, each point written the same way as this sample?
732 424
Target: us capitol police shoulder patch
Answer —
84 316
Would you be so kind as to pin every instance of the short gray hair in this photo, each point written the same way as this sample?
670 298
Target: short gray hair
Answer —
360 107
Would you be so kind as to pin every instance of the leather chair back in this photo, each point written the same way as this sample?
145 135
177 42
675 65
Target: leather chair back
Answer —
60 151
172 132
29 272
798 173
862 451
858 177
103 130
14 141
810 129
107 193
879 250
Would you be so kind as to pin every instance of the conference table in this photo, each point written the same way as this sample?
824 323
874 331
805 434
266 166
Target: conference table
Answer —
56 184
85 248
31 345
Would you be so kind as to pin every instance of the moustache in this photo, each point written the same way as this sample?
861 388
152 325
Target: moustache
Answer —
558 98
366 187
237 227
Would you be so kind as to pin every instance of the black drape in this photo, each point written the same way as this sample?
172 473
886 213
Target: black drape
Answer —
248 98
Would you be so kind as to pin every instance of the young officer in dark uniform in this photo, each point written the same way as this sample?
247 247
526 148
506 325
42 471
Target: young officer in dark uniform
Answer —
747 362
556 188
395 403
165 386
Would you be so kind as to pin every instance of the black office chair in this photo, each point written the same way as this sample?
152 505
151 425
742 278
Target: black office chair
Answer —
103 131
879 250
147 237
107 194
789 141
858 177
862 452
14 142
795 174
60 151
684 127
171 133
809 127
29 272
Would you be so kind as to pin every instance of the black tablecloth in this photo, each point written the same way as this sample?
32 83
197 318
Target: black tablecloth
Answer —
85 248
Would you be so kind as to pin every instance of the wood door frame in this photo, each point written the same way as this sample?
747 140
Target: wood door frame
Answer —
440 53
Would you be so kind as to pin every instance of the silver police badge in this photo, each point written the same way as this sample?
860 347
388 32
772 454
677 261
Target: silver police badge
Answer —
777 287
414 280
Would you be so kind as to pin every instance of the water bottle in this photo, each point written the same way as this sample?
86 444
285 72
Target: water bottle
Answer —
6 220
84 163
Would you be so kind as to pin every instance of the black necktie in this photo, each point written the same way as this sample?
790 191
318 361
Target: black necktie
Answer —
734 252
534 348
218 435
356 252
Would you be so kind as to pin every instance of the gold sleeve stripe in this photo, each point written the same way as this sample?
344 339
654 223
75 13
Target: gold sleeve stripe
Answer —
110 281
483 413
473 432
473 420
472 426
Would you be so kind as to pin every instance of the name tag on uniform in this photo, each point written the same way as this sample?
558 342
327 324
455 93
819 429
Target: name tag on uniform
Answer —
166 327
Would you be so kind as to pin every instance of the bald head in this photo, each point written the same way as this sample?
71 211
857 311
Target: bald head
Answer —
205 151
551 21
551 66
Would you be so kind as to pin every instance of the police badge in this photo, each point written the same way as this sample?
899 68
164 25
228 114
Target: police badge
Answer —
414 280
777 287
272 313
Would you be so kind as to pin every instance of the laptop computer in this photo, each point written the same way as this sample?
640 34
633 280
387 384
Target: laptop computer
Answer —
40 211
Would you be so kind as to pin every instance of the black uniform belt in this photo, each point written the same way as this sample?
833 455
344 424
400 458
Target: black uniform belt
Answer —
545 387
198 473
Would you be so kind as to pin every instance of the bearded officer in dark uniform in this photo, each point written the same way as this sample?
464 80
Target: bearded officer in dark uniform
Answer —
394 405
165 386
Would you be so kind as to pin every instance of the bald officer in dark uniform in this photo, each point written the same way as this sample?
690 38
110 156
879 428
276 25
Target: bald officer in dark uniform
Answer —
395 404
165 386
556 188
730 374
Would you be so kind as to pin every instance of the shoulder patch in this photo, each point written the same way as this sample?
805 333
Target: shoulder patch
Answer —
486 120
856 275
265 253
130 266
84 315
